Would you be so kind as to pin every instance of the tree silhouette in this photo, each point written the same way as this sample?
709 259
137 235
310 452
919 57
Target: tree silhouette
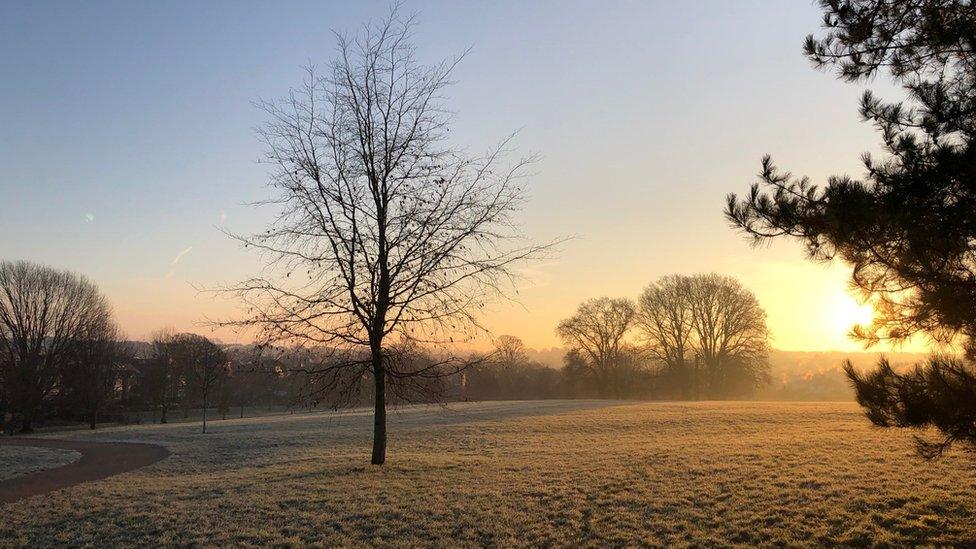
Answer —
43 312
161 381
384 228
664 320
92 371
596 333
909 227
708 331
204 365
509 351
939 394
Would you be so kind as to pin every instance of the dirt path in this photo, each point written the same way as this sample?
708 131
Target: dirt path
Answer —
98 460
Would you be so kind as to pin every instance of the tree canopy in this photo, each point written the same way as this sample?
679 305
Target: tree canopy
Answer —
708 331
596 335
44 313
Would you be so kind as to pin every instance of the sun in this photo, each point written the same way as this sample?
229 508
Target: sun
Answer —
847 313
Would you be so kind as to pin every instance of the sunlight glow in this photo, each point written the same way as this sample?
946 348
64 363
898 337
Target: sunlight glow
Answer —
847 313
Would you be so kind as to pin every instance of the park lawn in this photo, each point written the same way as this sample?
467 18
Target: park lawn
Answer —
17 461
538 473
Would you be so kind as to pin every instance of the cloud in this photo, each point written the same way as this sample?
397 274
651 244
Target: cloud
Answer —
176 261
538 275
89 217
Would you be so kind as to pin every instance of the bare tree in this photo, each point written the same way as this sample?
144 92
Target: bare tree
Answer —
510 351
384 228
730 333
42 312
664 321
92 371
708 330
508 362
597 331
162 380
3 396
204 363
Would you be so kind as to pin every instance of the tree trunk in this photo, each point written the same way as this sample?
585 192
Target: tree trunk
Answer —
204 411
93 419
162 418
379 410
242 411
27 426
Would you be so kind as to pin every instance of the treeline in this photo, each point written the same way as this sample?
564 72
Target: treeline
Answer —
63 358
685 337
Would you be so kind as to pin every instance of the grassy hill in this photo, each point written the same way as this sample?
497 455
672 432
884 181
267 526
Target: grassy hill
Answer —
565 473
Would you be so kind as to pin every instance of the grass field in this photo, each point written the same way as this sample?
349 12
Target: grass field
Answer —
20 460
539 473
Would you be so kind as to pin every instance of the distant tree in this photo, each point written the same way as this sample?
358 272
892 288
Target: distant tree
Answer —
4 360
43 312
909 227
224 393
507 373
160 382
731 339
535 381
483 382
205 364
576 375
708 331
384 228
664 320
419 375
510 363
596 333
510 351
189 391
242 385
91 373
250 380
3 404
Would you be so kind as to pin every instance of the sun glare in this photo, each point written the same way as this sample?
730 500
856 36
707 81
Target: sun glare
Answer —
847 313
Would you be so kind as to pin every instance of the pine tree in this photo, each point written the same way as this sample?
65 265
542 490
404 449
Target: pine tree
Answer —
908 228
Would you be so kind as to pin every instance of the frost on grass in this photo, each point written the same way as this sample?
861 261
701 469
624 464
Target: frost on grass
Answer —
523 473
20 460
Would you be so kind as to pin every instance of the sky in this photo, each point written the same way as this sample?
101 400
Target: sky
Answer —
127 143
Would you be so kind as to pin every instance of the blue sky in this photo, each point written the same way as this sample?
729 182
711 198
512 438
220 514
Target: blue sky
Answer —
127 140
